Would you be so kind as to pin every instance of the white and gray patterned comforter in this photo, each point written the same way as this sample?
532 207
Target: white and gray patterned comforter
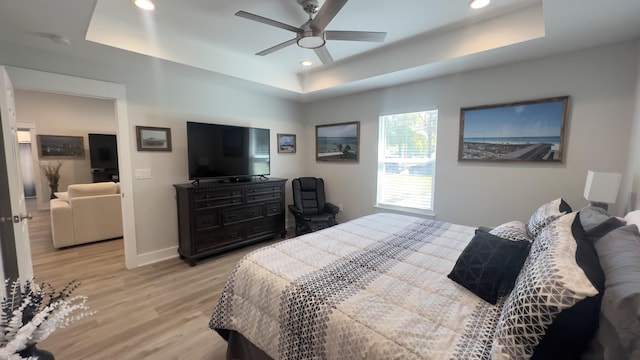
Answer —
373 288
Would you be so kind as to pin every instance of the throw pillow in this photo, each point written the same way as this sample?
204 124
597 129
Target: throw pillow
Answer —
633 218
545 215
512 230
619 251
487 262
553 309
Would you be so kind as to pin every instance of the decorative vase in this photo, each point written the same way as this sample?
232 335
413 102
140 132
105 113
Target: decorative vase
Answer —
32 351
54 189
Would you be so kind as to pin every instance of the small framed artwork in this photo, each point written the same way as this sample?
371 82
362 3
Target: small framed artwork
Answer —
286 143
522 131
338 142
153 138
57 146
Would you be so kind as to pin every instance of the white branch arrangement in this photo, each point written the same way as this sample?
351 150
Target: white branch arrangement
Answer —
32 312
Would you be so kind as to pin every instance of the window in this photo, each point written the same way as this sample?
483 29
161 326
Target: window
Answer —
406 160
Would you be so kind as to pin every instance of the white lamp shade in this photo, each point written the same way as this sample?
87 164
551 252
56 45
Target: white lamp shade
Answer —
602 187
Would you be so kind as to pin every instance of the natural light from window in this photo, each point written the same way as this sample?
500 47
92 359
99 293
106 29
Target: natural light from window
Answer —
406 160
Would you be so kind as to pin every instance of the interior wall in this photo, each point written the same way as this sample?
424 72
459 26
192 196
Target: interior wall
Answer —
631 180
59 114
165 94
600 82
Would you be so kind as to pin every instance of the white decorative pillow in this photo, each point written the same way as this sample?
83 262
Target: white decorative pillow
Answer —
545 215
513 230
552 311
633 218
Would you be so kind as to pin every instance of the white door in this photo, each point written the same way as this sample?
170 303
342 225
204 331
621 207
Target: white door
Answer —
16 249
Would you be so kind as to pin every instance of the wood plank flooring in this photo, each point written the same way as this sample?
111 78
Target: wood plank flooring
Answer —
159 311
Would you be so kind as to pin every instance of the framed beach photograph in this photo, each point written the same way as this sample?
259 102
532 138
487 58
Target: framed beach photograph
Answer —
153 138
57 146
338 142
286 143
522 131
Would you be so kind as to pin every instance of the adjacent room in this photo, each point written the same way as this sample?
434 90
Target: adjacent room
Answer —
328 179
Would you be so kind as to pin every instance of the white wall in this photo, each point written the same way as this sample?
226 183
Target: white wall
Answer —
631 182
58 114
601 84
167 95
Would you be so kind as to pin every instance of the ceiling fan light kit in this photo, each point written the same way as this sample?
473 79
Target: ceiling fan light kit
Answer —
311 39
312 34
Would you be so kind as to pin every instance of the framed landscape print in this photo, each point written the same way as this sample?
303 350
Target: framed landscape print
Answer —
153 138
522 131
57 146
338 142
286 143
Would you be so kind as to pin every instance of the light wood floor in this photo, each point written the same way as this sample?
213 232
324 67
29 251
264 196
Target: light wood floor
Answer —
159 311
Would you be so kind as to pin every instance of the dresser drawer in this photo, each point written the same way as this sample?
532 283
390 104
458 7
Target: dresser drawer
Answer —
274 208
207 220
261 197
236 215
219 198
264 228
207 240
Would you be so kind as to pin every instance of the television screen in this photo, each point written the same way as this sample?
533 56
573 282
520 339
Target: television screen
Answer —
225 151
103 150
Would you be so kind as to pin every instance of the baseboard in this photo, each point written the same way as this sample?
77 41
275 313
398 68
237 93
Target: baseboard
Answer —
156 256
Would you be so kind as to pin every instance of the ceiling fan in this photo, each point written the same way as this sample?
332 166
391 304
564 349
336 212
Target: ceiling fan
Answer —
312 34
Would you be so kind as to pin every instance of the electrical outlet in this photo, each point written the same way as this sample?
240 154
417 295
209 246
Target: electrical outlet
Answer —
341 207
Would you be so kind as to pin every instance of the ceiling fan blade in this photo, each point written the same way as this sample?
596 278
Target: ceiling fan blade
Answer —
356 35
326 13
277 47
324 55
264 20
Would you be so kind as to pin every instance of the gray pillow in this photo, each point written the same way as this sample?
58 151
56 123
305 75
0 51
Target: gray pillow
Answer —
619 253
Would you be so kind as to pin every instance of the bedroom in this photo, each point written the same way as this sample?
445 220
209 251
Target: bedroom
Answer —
602 82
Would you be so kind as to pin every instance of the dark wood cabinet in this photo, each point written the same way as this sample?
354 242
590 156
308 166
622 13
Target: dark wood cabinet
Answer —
214 217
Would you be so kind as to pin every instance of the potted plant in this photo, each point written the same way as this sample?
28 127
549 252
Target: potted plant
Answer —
31 312
52 172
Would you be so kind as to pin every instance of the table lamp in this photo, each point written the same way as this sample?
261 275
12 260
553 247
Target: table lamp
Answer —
602 188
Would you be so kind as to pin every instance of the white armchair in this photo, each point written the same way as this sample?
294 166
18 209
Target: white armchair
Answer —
86 213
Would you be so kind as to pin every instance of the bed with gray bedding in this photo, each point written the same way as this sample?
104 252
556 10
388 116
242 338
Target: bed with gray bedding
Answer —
388 286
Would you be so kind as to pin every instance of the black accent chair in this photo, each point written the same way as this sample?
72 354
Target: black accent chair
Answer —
310 208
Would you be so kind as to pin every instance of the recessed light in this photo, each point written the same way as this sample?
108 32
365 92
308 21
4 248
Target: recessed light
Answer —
144 4
479 4
306 63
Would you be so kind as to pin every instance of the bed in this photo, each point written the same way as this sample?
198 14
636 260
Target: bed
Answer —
389 286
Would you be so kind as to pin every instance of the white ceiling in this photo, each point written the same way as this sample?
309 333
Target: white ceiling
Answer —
425 38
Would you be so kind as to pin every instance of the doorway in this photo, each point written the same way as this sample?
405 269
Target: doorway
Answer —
56 83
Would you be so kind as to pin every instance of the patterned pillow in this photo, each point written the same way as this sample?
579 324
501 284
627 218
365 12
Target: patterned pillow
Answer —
488 262
512 230
545 215
553 310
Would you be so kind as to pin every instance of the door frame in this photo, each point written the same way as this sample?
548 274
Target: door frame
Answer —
35 80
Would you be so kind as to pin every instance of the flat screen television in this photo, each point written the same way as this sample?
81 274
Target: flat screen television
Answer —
226 152
103 151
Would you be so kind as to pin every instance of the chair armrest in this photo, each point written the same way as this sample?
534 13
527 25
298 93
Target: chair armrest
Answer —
295 211
330 208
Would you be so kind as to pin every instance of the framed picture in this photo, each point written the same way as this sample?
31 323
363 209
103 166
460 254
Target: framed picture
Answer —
338 142
153 138
286 143
522 131
56 146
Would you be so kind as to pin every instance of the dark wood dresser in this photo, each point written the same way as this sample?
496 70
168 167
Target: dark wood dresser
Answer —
214 217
